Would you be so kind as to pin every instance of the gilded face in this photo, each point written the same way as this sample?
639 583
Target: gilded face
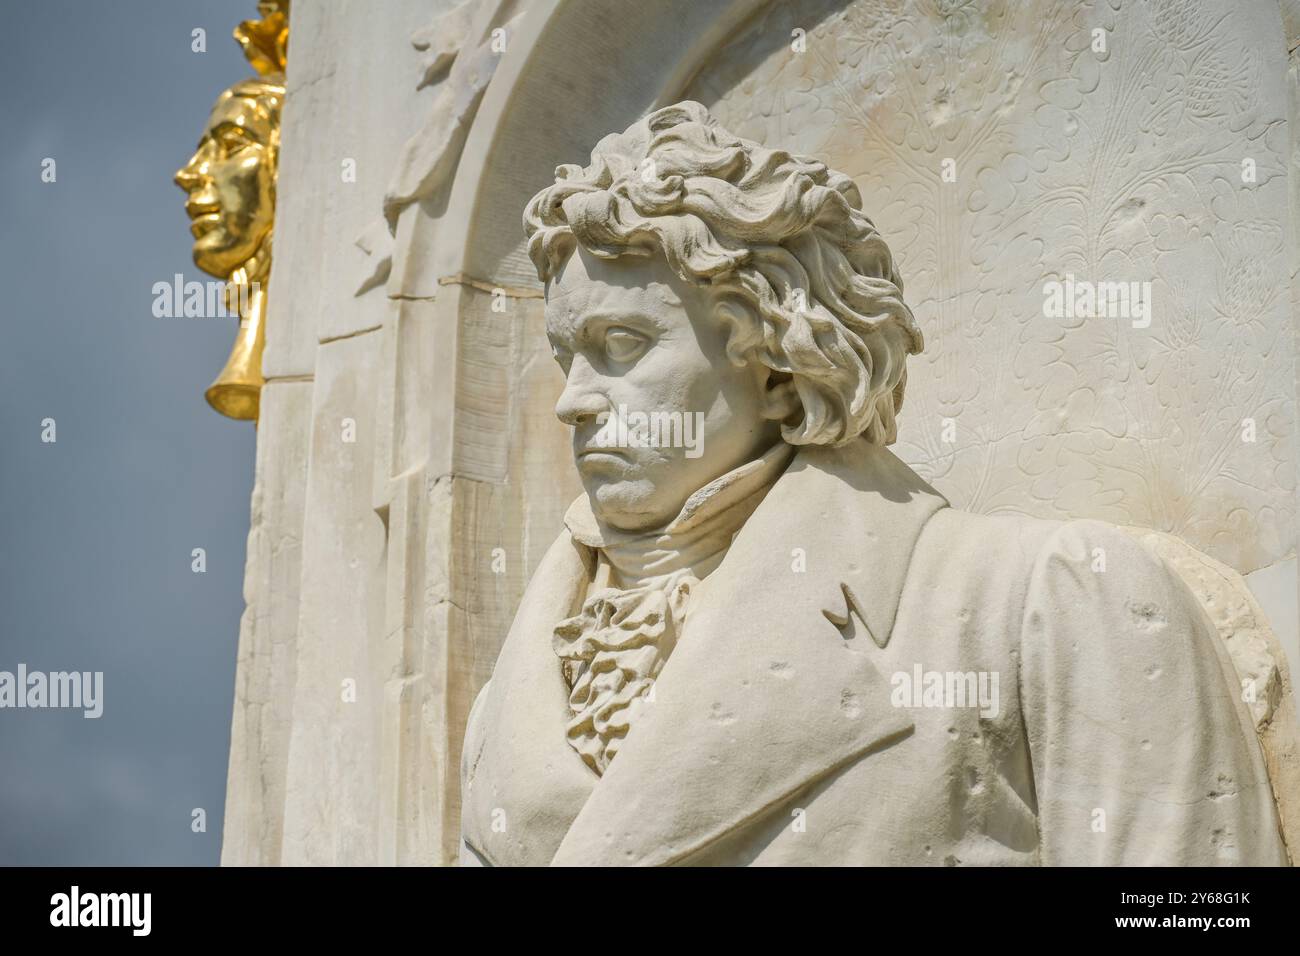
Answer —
630 335
230 180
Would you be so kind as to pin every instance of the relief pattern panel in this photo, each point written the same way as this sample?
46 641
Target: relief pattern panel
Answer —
999 145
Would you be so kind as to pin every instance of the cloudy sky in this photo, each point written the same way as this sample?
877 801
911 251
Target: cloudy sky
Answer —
97 529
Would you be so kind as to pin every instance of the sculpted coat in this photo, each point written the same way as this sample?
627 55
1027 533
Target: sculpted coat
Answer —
1116 696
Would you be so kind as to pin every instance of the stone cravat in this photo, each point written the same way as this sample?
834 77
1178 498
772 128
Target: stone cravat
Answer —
612 651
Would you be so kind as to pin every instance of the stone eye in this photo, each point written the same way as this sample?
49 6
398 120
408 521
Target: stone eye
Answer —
623 345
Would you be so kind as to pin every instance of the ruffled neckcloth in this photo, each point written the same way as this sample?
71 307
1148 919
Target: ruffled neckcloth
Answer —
614 648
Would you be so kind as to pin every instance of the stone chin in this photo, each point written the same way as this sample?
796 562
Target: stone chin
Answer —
625 493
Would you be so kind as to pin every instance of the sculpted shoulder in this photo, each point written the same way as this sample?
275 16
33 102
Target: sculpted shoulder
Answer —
1108 621
982 551
1095 558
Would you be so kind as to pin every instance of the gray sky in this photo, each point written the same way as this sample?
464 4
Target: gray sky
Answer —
96 530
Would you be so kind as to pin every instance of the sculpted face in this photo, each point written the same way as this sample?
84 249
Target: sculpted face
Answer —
230 180
632 336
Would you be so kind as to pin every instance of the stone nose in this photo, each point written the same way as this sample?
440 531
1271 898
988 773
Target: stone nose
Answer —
582 398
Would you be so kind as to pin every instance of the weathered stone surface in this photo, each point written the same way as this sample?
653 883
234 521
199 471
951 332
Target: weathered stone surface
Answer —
1258 658
268 632
345 661
1119 165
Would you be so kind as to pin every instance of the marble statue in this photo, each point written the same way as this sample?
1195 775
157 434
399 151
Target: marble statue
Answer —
229 184
763 639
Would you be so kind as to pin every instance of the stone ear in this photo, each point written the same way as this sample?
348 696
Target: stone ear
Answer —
780 398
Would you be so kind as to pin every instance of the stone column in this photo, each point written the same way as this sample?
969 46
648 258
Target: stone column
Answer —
410 472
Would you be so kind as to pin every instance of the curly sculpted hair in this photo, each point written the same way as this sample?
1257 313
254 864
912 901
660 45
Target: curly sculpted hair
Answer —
803 277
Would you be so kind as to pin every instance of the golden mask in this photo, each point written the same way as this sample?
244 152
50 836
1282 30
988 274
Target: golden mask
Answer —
230 185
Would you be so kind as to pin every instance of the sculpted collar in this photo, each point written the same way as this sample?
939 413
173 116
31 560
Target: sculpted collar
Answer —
857 512
697 539
615 647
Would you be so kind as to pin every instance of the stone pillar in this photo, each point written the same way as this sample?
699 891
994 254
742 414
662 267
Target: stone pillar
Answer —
312 770
410 472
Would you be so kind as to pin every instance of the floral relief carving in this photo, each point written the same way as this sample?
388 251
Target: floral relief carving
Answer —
1001 145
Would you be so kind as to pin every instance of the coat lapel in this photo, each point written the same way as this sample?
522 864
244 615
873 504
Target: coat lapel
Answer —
523 783
774 683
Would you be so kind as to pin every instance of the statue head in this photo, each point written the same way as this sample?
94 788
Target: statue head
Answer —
230 179
691 272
